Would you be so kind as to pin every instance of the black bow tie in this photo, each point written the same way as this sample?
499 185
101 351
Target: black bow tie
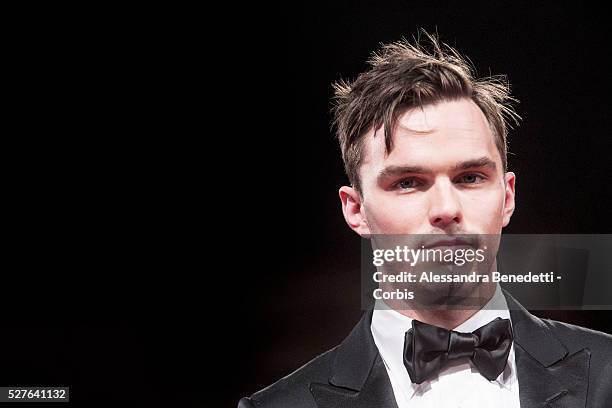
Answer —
427 348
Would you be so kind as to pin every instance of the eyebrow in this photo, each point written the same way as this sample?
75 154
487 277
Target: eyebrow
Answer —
479 162
393 170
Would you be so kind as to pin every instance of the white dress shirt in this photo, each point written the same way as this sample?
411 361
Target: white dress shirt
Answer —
459 384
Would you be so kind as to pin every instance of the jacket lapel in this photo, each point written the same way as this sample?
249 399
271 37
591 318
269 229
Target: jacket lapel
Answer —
549 376
358 376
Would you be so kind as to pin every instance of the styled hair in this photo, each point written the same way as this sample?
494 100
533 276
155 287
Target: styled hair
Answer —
403 76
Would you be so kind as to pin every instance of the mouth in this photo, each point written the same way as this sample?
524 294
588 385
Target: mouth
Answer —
448 243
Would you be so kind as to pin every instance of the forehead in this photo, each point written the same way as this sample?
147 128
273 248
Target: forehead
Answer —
435 135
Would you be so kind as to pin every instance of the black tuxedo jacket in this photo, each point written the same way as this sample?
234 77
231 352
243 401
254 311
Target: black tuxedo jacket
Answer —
558 365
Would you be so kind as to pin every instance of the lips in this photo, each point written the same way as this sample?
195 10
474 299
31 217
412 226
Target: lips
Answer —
447 242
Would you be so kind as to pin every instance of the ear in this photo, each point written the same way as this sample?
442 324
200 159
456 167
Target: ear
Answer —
509 197
353 210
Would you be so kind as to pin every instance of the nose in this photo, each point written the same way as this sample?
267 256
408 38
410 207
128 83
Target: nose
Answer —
444 207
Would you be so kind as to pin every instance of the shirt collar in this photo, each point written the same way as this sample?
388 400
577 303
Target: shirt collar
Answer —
389 328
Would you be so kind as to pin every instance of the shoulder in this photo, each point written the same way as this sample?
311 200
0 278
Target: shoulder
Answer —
293 390
570 337
347 365
576 338
599 347
596 343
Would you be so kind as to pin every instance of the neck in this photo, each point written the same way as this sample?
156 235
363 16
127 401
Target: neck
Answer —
449 318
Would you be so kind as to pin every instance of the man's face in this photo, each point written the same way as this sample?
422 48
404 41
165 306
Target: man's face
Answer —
443 176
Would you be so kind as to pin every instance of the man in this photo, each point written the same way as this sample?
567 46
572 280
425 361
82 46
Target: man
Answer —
424 147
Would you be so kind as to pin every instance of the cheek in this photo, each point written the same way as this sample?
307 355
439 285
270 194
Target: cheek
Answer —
485 208
396 215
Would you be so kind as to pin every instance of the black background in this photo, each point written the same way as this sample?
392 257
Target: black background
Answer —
175 234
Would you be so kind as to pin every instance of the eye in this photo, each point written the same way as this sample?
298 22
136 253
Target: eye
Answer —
407 184
471 178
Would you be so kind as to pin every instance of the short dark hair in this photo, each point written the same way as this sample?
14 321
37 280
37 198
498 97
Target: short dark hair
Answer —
403 76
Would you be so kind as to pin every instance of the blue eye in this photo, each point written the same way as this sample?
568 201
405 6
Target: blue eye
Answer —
472 178
407 184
